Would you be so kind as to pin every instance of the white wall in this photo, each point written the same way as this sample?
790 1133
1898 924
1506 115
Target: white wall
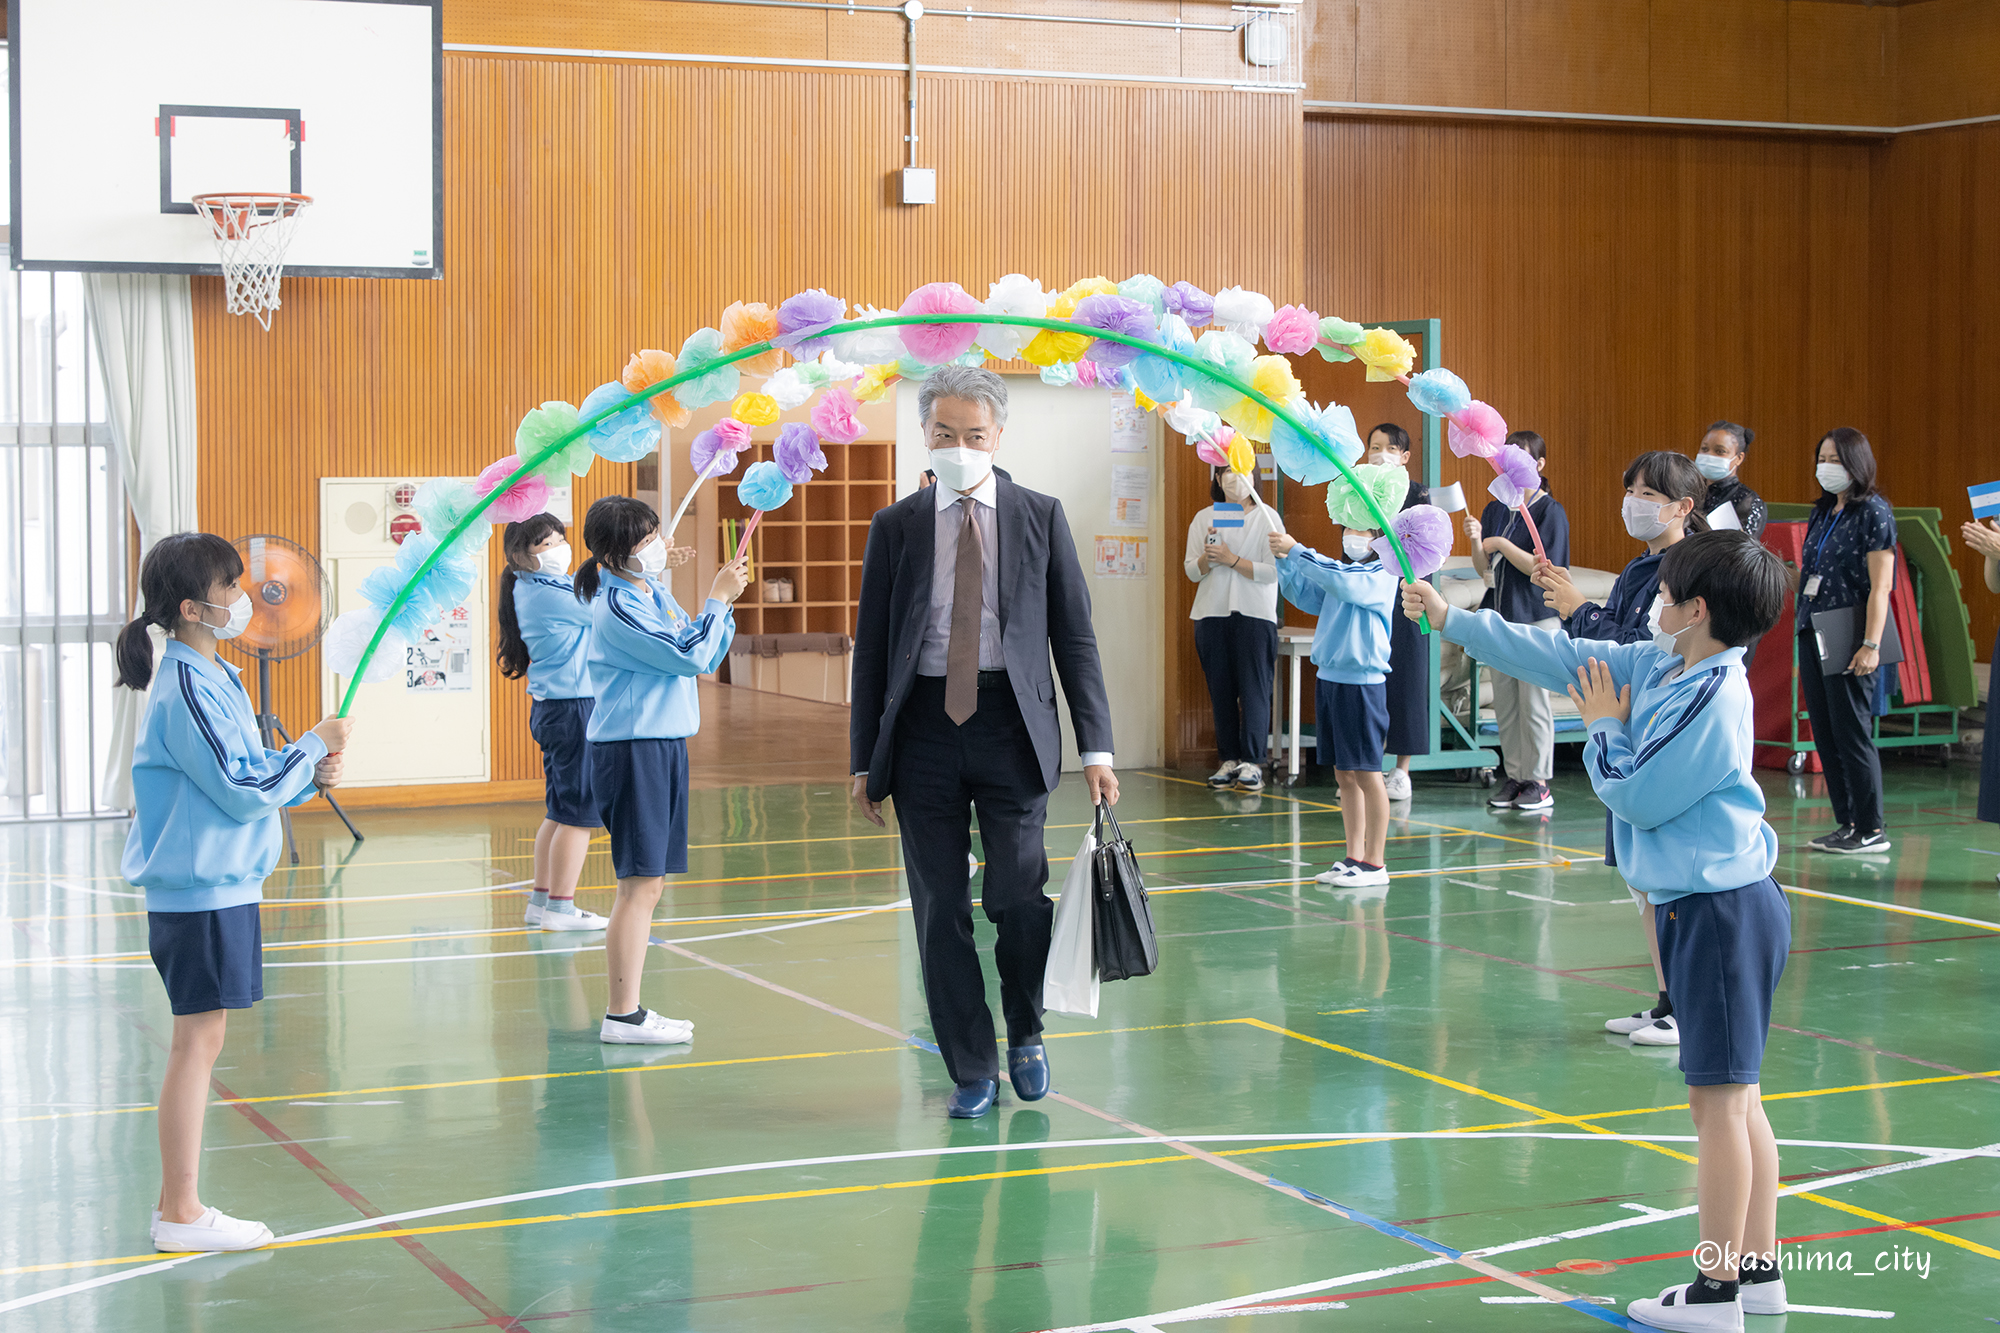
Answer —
1058 442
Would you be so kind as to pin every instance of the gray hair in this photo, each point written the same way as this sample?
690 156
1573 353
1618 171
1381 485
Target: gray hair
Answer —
974 383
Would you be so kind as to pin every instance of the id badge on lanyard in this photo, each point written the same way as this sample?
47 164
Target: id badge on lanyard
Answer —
1811 589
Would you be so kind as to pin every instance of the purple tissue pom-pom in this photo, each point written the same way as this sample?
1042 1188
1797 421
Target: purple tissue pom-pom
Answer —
803 316
1426 534
1114 314
798 452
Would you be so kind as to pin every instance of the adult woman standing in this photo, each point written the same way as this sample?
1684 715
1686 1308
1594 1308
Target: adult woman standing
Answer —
1235 618
1849 560
1720 459
1985 539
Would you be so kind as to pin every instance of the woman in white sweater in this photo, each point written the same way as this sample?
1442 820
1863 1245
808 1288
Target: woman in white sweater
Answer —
1236 622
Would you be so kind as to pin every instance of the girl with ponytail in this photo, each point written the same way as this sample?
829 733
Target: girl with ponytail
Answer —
205 833
545 636
645 653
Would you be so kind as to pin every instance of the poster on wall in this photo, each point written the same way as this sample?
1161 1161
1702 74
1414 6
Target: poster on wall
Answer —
443 662
1130 426
1121 557
1129 488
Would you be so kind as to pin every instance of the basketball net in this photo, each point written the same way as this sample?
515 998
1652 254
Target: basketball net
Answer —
252 232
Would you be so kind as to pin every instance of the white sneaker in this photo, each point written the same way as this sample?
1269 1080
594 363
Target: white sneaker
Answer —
1364 878
1625 1027
1659 1032
533 916
1670 1310
577 920
1224 776
656 1030
1340 874
1249 777
1397 782
215 1231
1762 1297
971 865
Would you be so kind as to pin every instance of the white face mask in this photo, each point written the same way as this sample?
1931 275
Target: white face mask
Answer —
1357 548
1713 466
239 612
554 559
960 468
1642 518
1665 642
650 560
1833 477
1236 486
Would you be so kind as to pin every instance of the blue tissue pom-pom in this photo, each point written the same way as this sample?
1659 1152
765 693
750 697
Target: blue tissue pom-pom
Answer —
1304 460
764 486
622 437
1439 392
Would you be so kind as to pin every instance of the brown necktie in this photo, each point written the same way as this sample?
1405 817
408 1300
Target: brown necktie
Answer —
961 659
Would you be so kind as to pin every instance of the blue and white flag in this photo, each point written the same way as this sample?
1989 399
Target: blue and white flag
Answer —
1985 500
1227 516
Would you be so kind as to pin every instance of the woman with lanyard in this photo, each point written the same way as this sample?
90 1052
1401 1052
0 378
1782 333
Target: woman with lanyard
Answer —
1985 539
1524 712
1720 459
1849 560
1235 618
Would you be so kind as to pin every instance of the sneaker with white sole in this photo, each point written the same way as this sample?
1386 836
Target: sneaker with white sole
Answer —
1249 777
1670 1310
1504 798
1224 776
971 864
573 920
533 916
1366 878
654 1030
1855 843
1397 783
1763 1297
1659 1032
216 1230
1340 874
1535 796
1625 1027
1819 844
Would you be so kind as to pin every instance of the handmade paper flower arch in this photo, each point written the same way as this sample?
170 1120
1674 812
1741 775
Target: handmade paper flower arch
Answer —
1135 333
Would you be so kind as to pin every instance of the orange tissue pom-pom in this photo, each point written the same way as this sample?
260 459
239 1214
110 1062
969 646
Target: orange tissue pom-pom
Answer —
745 324
647 368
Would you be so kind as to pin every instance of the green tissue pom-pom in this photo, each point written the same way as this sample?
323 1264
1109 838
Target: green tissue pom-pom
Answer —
544 426
1385 483
1336 334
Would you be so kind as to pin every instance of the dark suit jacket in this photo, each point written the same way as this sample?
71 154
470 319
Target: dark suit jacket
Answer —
1044 614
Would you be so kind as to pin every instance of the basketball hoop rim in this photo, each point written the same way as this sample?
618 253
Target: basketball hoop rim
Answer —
223 208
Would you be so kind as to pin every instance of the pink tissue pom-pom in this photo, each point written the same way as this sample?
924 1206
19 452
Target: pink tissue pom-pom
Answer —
834 415
1215 450
713 452
935 344
1425 532
1292 331
1477 429
523 500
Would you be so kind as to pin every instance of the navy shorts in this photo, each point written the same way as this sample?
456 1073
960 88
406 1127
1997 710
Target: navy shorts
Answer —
642 789
209 960
1356 719
1723 954
558 726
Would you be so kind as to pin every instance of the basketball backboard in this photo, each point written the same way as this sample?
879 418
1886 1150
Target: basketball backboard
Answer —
123 110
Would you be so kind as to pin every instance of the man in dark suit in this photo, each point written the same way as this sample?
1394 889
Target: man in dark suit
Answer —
968 589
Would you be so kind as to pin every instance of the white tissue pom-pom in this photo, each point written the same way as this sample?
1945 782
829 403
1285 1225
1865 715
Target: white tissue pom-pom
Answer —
347 637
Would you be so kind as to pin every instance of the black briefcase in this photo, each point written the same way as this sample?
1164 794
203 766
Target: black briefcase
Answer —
1124 942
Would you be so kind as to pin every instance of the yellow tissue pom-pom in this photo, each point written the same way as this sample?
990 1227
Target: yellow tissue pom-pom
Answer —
1049 346
1386 354
875 382
1250 418
1089 287
755 409
1272 376
1242 458
1142 402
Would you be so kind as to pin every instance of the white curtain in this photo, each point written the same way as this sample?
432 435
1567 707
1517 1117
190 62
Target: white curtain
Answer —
145 343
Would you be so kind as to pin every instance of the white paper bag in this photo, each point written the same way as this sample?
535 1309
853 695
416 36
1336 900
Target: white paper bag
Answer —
1723 518
1070 984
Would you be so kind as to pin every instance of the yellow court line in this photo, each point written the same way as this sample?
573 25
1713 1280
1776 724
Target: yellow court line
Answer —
1888 907
1415 823
1816 1092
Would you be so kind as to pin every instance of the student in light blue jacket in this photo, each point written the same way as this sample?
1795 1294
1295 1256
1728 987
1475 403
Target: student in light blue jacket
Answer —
1671 736
1353 598
205 832
645 653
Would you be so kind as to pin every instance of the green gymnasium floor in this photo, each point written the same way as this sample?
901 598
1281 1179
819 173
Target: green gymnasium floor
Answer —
1385 1112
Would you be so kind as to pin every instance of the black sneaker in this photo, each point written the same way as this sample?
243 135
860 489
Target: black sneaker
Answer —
1504 798
1822 842
1853 842
1535 796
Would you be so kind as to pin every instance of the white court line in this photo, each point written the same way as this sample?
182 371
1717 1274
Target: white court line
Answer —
1931 1156
1218 1309
1794 1308
1891 907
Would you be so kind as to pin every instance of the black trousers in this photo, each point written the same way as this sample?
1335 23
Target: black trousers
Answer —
943 773
1842 709
1239 655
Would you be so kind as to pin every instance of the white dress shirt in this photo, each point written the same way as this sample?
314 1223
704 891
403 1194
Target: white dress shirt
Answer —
944 576
1223 591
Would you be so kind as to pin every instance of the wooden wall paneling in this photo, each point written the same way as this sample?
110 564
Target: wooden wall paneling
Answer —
641 25
1719 59
1433 52
1330 43
1843 61
1945 59
1577 55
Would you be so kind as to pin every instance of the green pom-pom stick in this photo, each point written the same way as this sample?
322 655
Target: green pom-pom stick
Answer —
541 457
